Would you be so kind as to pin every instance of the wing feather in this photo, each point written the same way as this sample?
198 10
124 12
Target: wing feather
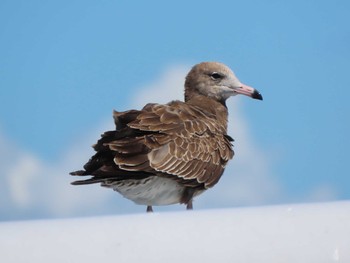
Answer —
176 140
190 142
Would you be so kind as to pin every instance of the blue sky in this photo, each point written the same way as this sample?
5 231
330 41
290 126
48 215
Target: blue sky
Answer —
66 64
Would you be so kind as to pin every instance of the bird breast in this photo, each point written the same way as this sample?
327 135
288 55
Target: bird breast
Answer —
153 190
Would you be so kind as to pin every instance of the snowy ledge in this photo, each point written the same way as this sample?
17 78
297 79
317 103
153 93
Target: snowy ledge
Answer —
285 233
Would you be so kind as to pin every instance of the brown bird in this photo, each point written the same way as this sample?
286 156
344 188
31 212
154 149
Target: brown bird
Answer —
169 153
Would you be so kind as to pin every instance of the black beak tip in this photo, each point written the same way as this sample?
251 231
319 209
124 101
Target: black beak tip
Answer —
257 95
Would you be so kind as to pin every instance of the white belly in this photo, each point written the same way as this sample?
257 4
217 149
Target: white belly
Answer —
149 191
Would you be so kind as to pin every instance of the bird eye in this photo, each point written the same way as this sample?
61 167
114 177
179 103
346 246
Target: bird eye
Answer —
215 76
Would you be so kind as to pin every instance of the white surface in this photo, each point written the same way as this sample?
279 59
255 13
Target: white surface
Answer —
289 233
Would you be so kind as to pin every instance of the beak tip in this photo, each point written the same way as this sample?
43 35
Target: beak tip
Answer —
257 95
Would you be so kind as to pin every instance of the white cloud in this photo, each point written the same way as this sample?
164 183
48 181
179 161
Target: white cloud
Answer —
248 179
251 169
20 176
164 89
33 188
323 192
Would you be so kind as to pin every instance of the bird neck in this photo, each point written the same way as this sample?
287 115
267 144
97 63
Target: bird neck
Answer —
212 106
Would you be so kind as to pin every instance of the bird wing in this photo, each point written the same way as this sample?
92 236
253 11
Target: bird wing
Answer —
177 139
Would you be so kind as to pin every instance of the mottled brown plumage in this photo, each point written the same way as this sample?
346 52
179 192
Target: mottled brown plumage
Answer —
166 154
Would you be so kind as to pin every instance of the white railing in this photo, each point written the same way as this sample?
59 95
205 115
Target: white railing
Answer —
310 233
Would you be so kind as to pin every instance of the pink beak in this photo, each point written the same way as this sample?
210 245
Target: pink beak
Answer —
249 91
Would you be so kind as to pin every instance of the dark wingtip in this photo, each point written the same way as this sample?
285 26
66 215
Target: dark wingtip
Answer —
80 172
81 182
257 95
87 181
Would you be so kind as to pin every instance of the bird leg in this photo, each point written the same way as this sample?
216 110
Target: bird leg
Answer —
149 209
189 205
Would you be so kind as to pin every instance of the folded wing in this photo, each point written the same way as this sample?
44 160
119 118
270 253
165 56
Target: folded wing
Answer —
176 140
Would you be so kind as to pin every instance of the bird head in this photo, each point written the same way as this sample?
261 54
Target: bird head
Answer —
217 81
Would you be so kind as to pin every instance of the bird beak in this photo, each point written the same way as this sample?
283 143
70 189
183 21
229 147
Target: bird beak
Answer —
249 91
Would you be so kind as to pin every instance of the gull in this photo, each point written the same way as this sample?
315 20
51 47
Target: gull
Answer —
170 153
